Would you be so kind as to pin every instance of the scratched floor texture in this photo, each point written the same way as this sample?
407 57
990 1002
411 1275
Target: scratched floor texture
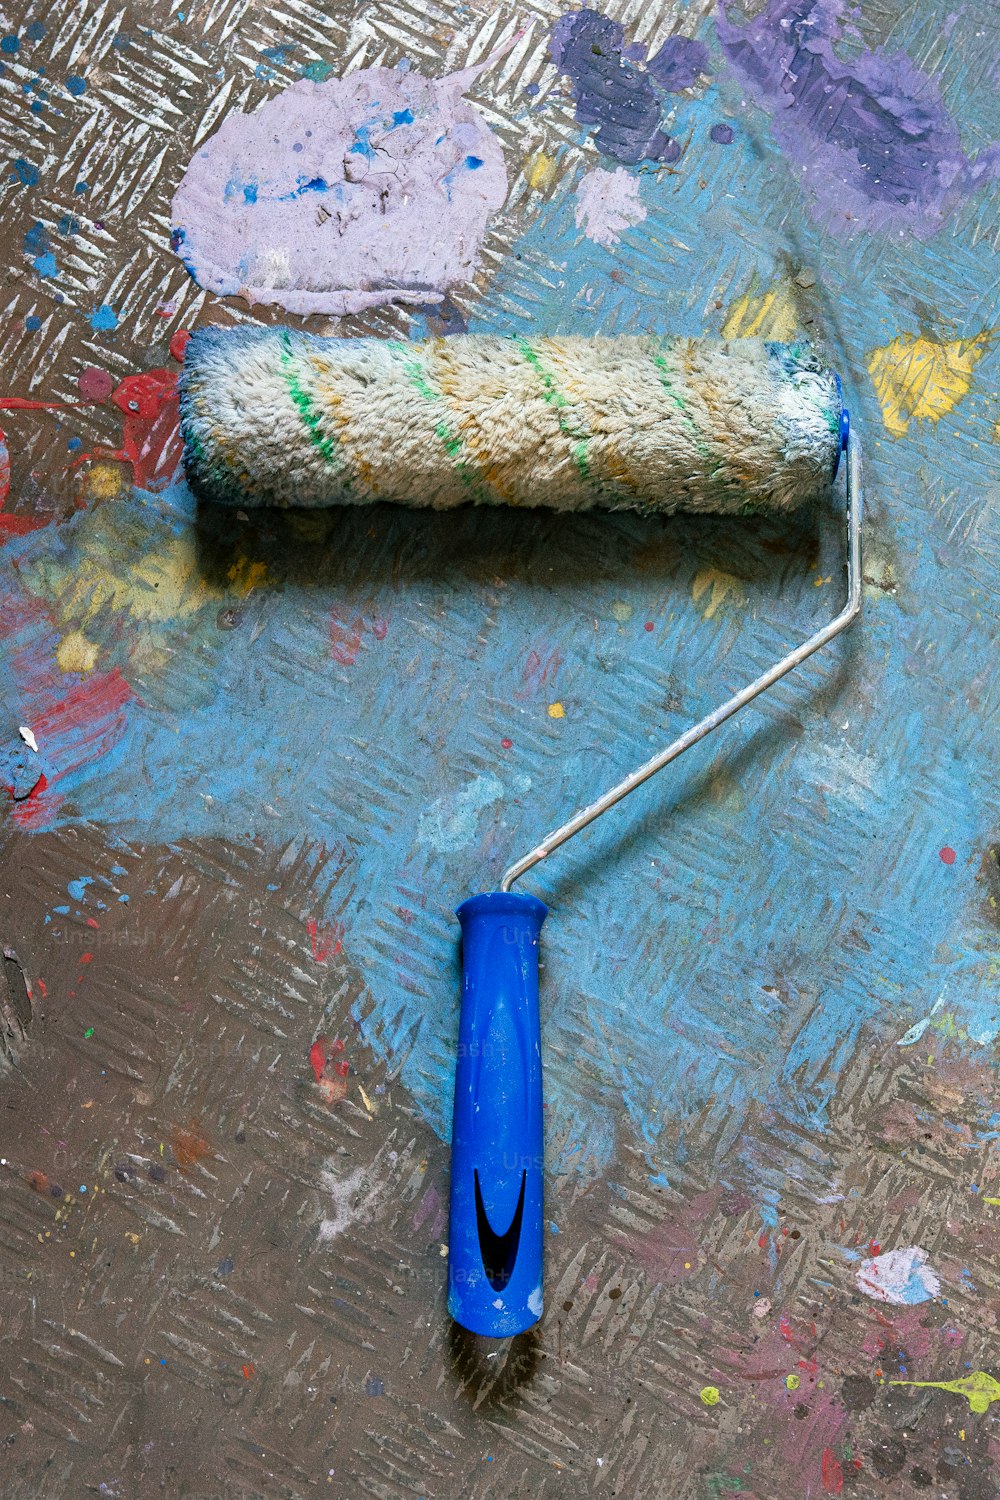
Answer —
274 753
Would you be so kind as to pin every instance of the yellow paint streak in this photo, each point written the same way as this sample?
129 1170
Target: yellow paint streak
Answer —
722 585
556 711
979 1388
763 315
75 653
161 587
245 575
540 171
918 378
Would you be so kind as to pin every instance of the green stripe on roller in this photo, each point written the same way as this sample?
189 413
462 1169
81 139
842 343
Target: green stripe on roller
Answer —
555 398
662 370
304 405
453 444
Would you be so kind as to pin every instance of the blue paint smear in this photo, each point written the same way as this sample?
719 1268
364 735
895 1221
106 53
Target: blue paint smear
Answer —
250 193
77 887
362 145
36 239
402 117
45 265
24 172
34 31
104 319
472 162
10 45
76 85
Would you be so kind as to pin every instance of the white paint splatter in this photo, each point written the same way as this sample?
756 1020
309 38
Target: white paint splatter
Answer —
450 822
353 1197
608 203
902 1277
28 738
918 1028
337 196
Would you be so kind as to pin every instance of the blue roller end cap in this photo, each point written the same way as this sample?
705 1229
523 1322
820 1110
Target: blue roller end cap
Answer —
496 1229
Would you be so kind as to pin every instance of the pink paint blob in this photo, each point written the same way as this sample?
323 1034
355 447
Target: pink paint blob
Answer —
947 855
95 384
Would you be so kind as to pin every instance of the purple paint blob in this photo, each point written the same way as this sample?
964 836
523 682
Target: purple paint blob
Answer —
878 148
344 194
722 135
610 89
679 63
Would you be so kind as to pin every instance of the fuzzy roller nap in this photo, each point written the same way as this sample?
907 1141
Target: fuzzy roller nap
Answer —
272 417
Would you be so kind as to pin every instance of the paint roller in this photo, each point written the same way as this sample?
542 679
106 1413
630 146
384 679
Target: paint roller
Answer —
654 424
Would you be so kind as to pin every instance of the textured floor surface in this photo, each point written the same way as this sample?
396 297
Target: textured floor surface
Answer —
274 752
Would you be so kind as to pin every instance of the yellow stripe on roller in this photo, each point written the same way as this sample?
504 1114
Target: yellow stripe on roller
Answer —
492 476
614 469
327 395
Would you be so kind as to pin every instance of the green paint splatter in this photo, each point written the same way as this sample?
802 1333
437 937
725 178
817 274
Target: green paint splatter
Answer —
979 1388
89 1031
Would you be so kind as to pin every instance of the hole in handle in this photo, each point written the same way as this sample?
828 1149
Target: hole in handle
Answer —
498 1251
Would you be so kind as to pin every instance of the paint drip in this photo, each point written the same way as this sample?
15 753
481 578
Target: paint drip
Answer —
342 195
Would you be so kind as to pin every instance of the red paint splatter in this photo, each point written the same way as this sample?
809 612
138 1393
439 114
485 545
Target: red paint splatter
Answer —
150 436
13 525
93 922
74 731
22 403
346 635
178 343
506 744
833 1473
947 855
317 1057
247 1371
95 384
325 942
86 958
538 672
649 625
330 1067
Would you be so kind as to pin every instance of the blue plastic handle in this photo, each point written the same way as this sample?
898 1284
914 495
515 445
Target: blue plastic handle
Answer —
495 1236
